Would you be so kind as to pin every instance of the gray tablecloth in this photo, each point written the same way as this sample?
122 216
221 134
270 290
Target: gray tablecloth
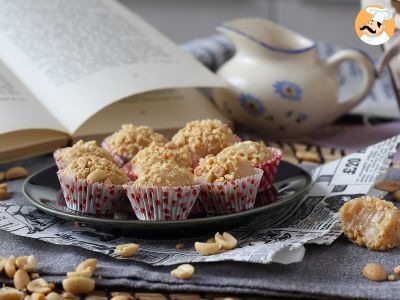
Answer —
326 271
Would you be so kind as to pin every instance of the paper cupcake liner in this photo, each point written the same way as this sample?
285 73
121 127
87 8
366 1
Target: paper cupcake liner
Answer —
162 203
57 159
230 196
92 198
119 159
127 168
270 167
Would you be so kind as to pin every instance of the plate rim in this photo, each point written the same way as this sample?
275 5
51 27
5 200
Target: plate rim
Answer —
134 223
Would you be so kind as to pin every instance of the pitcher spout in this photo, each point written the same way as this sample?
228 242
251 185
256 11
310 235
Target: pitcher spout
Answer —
265 34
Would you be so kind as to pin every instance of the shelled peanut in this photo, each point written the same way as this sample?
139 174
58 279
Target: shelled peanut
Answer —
390 186
11 173
30 286
215 244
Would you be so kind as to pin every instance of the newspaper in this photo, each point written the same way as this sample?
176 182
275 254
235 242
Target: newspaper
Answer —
381 102
277 237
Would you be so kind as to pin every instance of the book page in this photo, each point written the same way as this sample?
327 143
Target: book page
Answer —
158 109
78 57
19 110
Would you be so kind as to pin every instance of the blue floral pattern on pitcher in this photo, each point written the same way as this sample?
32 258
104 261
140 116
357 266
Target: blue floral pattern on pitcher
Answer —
288 90
251 104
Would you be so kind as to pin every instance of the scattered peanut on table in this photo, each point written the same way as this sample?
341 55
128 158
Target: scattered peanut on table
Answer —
4 195
207 248
15 172
224 241
12 173
127 250
184 271
180 246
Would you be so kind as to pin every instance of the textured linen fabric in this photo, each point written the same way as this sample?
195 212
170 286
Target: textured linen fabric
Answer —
326 271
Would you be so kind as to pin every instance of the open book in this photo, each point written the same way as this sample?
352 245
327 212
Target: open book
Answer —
71 69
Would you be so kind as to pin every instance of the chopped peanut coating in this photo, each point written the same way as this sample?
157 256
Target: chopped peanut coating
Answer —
165 174
371 222
205 137
79 149
218 169
157 153
95 169
256 153
130 139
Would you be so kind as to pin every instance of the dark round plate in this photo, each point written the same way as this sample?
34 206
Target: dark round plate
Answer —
43 190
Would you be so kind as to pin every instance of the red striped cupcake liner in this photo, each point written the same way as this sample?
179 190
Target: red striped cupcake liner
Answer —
57 159
230 196
162 203
270 167
92 198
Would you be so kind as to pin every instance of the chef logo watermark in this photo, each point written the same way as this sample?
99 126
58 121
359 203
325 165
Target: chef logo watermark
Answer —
375 24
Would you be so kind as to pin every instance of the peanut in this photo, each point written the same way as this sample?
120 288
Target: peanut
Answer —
35 276
90 264
122 297
15 172
27 263
210 240
2 176
396 195
184 271
69 296
87 273
397 270
127 250
10 267
78 285
38 296
39 286
375 272
388 186
392 277
207 248
7 293
21 279
53 296
3 186
2 263
226 241
97 175
4 195
180 246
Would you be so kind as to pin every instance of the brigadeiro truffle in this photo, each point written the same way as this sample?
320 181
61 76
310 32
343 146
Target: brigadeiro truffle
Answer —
229 184
260 156
92 184
66 155
129 140
204 137
165 191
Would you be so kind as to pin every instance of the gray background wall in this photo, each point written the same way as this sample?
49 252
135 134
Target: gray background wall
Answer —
325 20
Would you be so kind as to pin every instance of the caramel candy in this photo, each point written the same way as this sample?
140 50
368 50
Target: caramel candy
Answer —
371 222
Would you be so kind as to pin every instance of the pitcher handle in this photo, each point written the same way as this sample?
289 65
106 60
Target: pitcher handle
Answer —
368 75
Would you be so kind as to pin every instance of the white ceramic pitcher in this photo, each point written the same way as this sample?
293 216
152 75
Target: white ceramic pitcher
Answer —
278 84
